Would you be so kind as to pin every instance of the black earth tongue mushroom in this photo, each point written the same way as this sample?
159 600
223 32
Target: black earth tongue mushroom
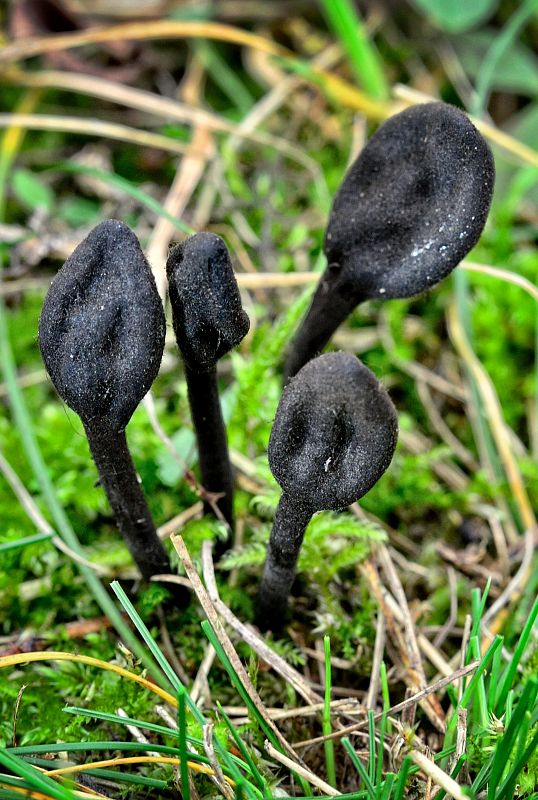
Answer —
101 334
410 208
333 437
208 322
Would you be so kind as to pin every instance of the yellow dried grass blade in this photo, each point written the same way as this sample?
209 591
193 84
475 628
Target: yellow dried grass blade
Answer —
24 658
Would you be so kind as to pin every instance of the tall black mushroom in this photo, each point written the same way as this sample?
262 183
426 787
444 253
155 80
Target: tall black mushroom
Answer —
409 209
101 334
208 322
333 437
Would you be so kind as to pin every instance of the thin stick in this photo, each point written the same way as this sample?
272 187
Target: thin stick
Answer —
379 648
302 771
224 639
413 700
185 182
290 675
438 776
93 127
153 104
497 423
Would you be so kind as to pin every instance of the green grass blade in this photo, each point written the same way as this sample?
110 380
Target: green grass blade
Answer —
517 766
522 644
507 36
136 723
244 752
25 541
34 777
387 786
224 76
371 746
343 18
505 745
327 724
402 779
152 645
183 753
236 681
359 766
473 683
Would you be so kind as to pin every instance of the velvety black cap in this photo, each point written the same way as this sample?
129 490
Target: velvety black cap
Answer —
102 327
413 203
334 433
206 305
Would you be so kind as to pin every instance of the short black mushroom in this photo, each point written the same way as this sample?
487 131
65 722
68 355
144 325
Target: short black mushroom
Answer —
208 322
101 334
333 437
410 208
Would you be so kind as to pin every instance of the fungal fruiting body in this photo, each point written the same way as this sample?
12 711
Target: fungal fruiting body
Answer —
409 209
208 322
101 335
333 437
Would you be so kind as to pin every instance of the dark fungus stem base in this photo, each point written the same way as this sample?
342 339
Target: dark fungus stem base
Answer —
333 302
119 480
215 468
291 520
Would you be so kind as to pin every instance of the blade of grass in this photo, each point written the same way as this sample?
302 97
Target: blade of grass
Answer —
225 78
522 644
371 746
152 645
34 777
182 731
25 541
345 22
495 416
359 766
506 790
507 36
262 784
473 683
327 725
505 745
116 718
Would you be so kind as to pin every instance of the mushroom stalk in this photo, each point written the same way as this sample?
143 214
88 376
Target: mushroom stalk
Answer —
215 468
119 480
323 318
291 520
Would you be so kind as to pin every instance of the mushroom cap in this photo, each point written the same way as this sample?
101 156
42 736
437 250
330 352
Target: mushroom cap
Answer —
413 203
102 326
334 433
206 305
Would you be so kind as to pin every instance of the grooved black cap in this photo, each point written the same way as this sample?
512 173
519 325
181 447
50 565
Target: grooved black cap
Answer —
413 203
206 305
334 433
102 326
